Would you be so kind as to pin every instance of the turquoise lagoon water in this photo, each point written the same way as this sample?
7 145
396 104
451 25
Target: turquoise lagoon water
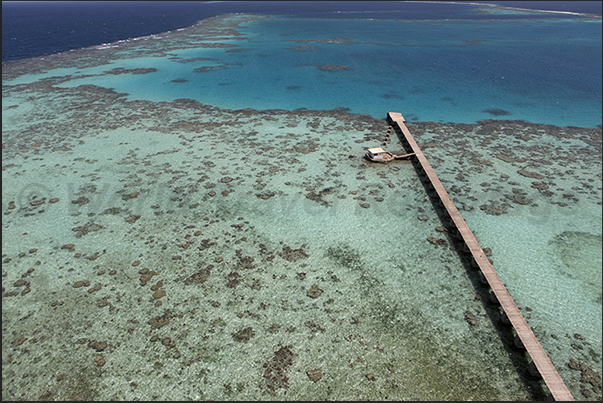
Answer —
215 234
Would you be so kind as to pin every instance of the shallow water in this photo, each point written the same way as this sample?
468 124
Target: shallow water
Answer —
169 249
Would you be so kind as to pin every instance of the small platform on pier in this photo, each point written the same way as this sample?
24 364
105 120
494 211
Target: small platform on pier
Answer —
378 154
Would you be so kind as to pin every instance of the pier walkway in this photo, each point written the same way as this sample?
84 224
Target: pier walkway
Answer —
527 339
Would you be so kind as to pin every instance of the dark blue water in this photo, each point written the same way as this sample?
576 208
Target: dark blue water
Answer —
31 29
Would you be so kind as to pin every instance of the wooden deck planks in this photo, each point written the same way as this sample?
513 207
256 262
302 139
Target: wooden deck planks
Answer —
545 367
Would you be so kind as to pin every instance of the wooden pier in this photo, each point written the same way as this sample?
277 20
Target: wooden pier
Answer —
525 337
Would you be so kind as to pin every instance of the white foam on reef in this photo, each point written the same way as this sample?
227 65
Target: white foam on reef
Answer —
106 46
503 8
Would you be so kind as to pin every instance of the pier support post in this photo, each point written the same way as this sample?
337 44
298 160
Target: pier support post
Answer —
518 344
532 370
504 319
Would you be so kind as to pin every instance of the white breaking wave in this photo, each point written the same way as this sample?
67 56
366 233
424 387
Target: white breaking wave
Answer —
506 7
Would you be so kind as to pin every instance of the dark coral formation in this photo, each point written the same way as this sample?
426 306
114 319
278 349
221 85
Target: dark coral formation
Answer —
326 40
332 67
314 292
199 277
243 335
314 374
160 321
496 112
303 47
276 369
82 230
590 381
470 319
293 255
121 70
233 279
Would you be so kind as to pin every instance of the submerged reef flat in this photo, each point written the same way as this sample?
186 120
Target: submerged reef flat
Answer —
177 250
